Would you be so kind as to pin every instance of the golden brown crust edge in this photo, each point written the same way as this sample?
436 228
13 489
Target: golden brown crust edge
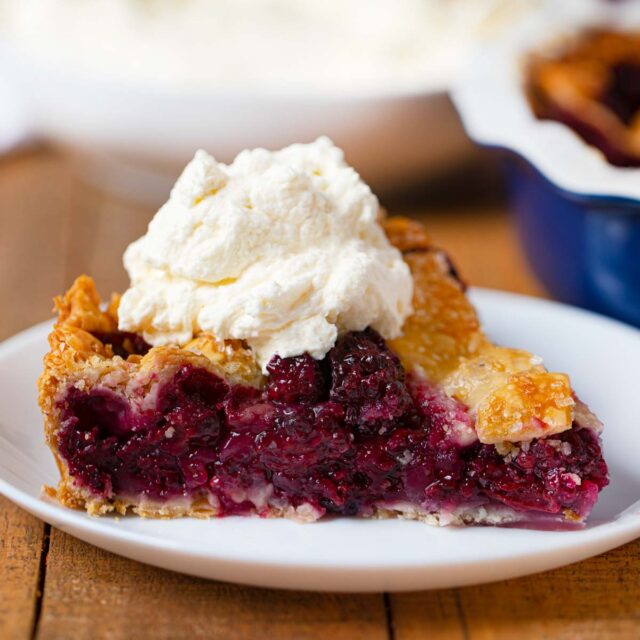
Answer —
511 394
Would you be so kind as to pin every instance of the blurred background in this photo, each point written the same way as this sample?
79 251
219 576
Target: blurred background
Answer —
104 101
135 86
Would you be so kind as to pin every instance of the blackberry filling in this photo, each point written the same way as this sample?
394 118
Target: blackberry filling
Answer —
622 94
345 435
123 343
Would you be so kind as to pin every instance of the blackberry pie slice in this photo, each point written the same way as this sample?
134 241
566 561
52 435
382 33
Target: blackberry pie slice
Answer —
284 350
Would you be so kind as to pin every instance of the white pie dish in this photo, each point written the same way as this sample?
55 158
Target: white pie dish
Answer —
134 139
603 358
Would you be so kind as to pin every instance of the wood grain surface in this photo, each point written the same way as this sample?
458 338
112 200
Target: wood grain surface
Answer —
53 227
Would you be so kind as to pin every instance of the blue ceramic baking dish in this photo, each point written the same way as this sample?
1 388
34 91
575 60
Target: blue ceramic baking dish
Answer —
578 216
585 249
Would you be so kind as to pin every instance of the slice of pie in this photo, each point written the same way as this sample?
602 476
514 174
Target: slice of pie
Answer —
436 423
592 84
439 424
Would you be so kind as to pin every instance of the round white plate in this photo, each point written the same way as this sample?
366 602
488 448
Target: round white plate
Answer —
603 357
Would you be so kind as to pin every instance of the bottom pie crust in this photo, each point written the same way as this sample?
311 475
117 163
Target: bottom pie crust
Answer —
77 498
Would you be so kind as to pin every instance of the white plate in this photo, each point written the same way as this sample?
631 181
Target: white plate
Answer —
603 358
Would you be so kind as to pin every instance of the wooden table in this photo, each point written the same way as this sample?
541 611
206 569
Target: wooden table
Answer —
53 227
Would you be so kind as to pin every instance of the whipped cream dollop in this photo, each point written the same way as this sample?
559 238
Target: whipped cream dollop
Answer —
282 249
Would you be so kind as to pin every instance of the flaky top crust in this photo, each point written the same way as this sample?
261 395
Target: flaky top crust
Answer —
511 394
